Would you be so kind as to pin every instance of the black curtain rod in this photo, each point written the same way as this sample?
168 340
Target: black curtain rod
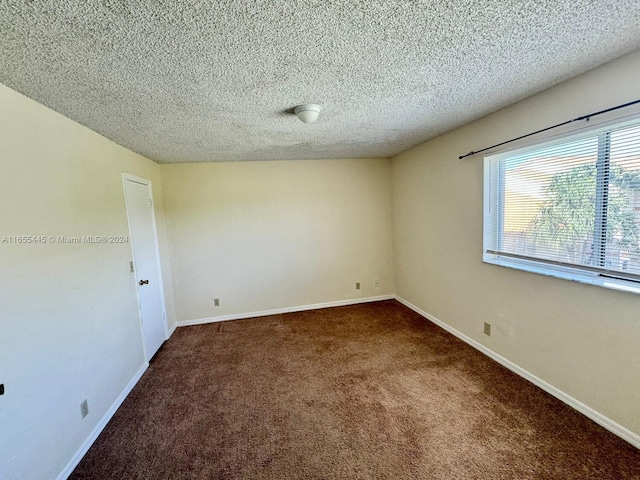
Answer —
584 117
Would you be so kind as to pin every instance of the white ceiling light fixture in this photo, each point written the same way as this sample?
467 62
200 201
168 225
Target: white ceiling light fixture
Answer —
307 113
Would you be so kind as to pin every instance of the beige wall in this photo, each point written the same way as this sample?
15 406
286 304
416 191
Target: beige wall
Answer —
582 339
269 235
69 324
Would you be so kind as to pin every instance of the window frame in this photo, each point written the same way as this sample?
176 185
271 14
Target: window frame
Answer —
493 209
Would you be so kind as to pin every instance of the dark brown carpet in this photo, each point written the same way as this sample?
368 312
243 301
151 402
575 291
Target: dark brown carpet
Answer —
361 392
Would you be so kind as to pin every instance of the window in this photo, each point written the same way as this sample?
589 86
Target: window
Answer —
568 208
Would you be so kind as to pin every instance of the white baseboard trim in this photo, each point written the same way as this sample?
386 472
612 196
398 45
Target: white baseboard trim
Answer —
171 330
300 308
73 463
603 421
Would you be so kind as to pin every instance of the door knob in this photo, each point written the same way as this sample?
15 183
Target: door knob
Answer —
143 282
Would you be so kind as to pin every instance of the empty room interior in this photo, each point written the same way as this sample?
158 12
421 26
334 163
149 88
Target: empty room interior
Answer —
301 239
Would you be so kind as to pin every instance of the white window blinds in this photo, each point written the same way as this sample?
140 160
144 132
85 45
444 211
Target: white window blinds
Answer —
574 202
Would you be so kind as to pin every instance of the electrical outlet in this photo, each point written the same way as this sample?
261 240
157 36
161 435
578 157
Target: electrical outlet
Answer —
376 284
84 408
487 329
216 302
357 285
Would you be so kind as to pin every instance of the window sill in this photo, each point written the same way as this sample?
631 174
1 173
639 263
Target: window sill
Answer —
565 273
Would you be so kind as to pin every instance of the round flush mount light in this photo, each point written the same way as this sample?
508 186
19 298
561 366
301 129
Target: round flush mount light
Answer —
307 113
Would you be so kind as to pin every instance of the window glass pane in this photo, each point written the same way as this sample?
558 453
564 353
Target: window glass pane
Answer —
623 212
548 204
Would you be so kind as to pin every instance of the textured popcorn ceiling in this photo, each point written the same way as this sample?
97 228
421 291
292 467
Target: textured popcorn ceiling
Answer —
195 81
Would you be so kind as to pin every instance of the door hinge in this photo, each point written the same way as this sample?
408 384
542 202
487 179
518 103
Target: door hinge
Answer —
150 203
131 267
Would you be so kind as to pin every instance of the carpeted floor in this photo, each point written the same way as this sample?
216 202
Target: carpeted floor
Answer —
371 391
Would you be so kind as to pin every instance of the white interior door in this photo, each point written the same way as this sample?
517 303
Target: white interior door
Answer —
146 262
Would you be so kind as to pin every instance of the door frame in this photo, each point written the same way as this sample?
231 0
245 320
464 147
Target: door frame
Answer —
143 181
